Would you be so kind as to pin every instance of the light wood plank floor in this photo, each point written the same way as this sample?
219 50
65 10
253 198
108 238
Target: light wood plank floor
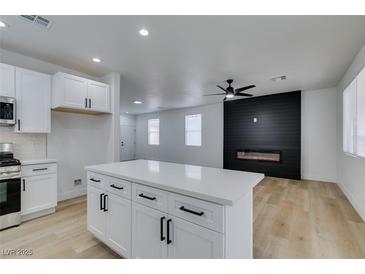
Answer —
292 219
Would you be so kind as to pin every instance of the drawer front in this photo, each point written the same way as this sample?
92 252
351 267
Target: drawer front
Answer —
118 187
150 196
41 169
95 179
197 211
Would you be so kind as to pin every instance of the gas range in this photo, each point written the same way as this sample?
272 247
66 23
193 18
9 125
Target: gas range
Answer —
9 187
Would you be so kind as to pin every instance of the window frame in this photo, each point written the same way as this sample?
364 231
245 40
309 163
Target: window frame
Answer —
187 131
150 131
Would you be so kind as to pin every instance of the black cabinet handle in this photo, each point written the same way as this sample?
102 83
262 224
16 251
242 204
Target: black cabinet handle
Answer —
101 201
117 187
191 211
18 124
168 231
89 103
105 196
23 184
162 237
85 102
147 197
40 169
95 180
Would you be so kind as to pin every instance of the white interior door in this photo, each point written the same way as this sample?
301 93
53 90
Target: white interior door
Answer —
127 142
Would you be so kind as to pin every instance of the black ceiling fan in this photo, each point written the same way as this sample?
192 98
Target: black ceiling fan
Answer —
230 92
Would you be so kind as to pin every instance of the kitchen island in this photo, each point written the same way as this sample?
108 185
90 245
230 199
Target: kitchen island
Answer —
152 209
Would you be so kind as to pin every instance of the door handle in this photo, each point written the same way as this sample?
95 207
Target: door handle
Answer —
162 237
117 187
23 184
39 169
191 211
18 124
169 241
101 201
85 102
147 197
89 103
105 200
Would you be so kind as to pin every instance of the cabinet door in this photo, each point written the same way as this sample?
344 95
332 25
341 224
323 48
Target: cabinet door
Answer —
33 99
146 236
190 241
74 92
7 80
98 94
38 193
118 235
96 216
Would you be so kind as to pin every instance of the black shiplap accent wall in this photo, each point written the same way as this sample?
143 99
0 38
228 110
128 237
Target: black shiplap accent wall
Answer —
278 128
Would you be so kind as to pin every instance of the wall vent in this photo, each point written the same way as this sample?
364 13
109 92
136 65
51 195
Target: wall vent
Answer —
37 21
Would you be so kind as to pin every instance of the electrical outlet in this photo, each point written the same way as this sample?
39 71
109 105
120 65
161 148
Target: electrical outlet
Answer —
77 182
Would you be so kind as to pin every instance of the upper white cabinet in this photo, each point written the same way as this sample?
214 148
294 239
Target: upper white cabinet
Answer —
7 80
73 93
33 99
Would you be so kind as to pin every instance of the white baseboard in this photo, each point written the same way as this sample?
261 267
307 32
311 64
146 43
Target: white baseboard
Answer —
71 194
353 201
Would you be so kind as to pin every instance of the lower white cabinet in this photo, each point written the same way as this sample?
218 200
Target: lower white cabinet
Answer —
149 237
38 189
138 221
109 219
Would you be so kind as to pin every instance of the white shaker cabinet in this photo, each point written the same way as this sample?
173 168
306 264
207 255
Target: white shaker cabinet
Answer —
149 234
33 98
38 190
77 94
7 80
96 217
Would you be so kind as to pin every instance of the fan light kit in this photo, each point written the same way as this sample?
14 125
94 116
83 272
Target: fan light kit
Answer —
230 92
143 32
3 25
137 102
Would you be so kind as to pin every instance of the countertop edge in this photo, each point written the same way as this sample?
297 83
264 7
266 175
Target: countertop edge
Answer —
37 162
213 199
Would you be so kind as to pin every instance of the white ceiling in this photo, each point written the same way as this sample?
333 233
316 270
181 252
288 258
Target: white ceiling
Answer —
184 57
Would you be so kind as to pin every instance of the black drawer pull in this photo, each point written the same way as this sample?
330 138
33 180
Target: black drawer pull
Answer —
105 200
117 187
192 211
40 169
168 231
95 180
147 197
162 237
101 201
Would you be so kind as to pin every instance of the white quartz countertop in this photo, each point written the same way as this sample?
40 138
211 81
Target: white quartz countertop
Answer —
221 186
37 161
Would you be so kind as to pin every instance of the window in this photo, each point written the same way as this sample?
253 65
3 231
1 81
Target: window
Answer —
193 130
154 131
354 116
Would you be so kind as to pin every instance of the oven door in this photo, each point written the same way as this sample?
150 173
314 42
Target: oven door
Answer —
7 111
9 196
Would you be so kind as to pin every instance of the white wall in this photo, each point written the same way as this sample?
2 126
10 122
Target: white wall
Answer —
319 135
351 170
75 140
172 137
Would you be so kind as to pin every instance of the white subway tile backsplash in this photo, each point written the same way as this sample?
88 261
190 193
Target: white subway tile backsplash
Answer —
27 146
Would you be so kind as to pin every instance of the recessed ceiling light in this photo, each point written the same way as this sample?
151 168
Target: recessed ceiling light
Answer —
229 95
279 78
96 60
3 25
126 112
137 102
143 32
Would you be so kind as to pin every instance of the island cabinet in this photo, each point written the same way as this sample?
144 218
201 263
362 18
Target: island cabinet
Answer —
138 219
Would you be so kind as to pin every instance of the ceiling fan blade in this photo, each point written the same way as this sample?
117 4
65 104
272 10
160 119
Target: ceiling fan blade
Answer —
244 88
221 88
243 94
214 94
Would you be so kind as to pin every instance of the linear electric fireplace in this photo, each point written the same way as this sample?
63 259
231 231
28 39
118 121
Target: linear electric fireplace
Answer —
257 155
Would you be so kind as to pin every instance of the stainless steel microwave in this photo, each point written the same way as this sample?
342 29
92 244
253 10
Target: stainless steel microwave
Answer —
7 111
